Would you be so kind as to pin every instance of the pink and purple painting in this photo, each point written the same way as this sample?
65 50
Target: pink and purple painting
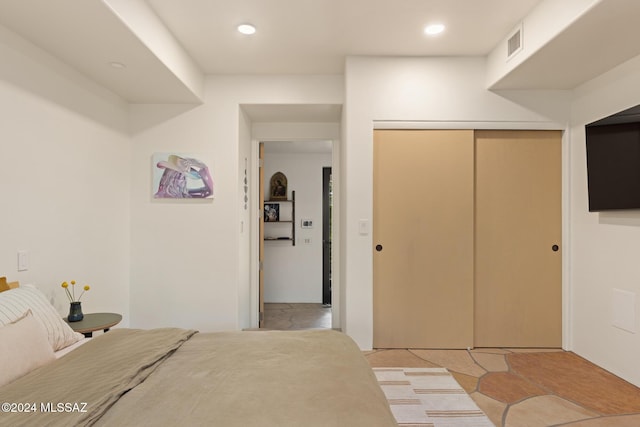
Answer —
181 176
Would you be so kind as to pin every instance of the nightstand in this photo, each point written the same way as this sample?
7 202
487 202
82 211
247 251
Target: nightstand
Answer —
94 322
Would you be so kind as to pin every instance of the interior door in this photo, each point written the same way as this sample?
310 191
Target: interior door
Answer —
261 236
518 275
326 236
423 239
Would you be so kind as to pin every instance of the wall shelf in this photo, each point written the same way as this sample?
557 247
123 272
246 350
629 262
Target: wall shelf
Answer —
279 220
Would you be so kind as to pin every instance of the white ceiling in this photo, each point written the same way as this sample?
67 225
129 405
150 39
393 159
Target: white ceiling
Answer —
314 36
310 37
606 36
88 36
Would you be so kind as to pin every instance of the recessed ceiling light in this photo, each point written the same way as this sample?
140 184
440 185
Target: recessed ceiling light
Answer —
433 29
246 29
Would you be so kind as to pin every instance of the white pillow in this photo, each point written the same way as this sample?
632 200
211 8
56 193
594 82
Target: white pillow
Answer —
23 347
15 302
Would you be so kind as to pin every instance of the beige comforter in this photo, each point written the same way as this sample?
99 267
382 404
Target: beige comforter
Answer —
267 378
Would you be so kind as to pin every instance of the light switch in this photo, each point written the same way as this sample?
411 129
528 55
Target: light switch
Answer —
363 226
23 260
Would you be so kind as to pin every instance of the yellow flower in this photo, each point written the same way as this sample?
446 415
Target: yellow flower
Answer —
70 295
65 285
86 288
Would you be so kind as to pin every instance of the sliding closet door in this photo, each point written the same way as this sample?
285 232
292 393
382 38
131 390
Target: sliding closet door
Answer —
423 239
518 276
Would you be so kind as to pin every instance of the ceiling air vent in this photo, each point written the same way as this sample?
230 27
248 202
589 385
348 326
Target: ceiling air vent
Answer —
514 43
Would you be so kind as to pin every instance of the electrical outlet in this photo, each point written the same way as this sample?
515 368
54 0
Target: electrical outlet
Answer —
623 309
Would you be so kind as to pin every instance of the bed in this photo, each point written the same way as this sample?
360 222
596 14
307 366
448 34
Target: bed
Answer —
172 376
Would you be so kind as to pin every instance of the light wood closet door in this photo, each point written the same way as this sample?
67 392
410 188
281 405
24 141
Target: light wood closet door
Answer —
518 278
423 239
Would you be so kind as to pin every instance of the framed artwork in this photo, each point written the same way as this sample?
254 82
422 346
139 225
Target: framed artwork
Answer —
181 176
271 212
278 187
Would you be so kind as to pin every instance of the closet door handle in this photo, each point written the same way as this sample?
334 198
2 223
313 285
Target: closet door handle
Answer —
378 247
555 248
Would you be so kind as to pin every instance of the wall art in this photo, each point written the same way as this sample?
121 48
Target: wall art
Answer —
271 212
181 176
278 187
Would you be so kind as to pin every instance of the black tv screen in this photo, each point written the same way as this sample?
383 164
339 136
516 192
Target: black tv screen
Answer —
613 165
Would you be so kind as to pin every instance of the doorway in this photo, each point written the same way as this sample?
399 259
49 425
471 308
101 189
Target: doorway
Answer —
327 203
294 268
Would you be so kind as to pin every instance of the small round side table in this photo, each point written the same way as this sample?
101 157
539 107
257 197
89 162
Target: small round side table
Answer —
94 322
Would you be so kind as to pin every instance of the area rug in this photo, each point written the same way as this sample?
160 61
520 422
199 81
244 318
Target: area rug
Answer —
428 397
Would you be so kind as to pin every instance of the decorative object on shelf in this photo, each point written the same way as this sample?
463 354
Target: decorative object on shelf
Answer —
75 309
75 312
246 185
181 176
278 186
271 212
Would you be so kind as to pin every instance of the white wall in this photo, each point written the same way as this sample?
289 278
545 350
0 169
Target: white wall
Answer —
605 246
432 92
245 179
294 273
83 206
186 257
64 180
185 253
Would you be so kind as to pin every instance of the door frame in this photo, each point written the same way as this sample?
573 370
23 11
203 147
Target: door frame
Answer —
326 235
261 235
257 215
567 339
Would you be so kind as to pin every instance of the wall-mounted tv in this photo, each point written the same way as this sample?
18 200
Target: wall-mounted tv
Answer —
613 161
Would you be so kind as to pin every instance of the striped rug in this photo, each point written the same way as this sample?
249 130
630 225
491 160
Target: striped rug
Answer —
428 397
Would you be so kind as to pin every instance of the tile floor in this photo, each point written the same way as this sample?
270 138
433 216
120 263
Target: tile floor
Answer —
514 387
283 316
528 388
